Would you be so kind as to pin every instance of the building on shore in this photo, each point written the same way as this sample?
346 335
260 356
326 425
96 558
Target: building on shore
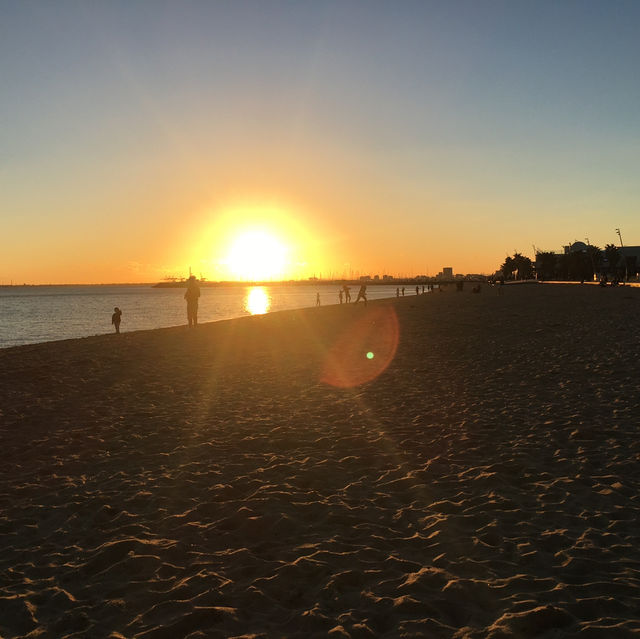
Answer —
584 262
446 274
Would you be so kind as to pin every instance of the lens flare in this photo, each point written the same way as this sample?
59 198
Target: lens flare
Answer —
364 349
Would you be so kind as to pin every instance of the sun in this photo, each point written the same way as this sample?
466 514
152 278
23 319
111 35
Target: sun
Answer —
257 255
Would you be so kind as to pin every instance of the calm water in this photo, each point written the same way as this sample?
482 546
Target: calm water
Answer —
34 314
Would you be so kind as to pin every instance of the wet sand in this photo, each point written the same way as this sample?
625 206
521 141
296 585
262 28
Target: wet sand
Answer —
480 479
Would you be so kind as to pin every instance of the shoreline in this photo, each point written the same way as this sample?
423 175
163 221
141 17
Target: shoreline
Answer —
211 309
477 476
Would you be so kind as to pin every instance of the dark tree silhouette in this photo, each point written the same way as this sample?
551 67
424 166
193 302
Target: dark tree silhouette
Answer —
517 267
508 267
612 256
594 254
524 266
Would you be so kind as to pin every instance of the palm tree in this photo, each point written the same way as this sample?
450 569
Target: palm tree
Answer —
508 267
612 256
524 266
519 264
594 253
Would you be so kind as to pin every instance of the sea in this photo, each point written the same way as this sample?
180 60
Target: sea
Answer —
33 314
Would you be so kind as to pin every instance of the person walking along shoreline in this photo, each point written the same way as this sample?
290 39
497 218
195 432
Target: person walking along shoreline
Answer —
192 295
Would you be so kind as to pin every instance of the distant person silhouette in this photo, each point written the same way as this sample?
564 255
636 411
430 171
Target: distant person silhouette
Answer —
317 299
192 295
417 290
403 291
340 295
116 318
397 292
347 293
362 293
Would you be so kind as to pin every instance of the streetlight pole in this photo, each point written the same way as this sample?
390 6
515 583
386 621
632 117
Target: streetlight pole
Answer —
626 274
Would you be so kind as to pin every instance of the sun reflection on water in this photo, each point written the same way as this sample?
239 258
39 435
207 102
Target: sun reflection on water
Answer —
257 301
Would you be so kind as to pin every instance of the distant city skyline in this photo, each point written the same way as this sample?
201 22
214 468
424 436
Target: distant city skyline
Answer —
290 139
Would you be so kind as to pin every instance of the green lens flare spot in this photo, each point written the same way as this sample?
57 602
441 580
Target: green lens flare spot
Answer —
369 355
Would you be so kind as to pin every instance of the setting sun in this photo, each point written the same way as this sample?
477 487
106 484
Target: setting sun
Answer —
259 242
257 255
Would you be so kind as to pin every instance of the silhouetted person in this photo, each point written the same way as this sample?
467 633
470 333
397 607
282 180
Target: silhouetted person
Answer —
398 292
340 295
403 291
317 299
362 293
116 317
192 295
347 294
417 290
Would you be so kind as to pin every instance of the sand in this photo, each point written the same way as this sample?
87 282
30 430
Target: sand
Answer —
480 479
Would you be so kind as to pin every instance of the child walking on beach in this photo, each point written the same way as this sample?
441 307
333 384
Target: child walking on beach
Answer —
116 317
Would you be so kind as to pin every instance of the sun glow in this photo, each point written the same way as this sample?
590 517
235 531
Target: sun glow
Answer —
260 242
257 255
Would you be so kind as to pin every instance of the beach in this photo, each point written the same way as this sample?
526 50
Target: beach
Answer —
443 465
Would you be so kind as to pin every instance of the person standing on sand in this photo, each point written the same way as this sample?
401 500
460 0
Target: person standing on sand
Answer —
116 317
317 299
192 295
362 293
340 295
347 294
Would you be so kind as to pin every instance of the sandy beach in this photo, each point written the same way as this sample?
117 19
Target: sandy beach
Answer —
446 465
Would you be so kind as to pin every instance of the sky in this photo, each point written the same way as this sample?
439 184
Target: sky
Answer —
291 139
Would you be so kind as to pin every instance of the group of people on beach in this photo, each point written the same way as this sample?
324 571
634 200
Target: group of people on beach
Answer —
192 296
344 294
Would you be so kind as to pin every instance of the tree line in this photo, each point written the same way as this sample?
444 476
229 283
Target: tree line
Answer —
577 265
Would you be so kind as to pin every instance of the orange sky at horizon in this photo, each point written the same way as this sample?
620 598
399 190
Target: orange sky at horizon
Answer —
315 244
336 215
